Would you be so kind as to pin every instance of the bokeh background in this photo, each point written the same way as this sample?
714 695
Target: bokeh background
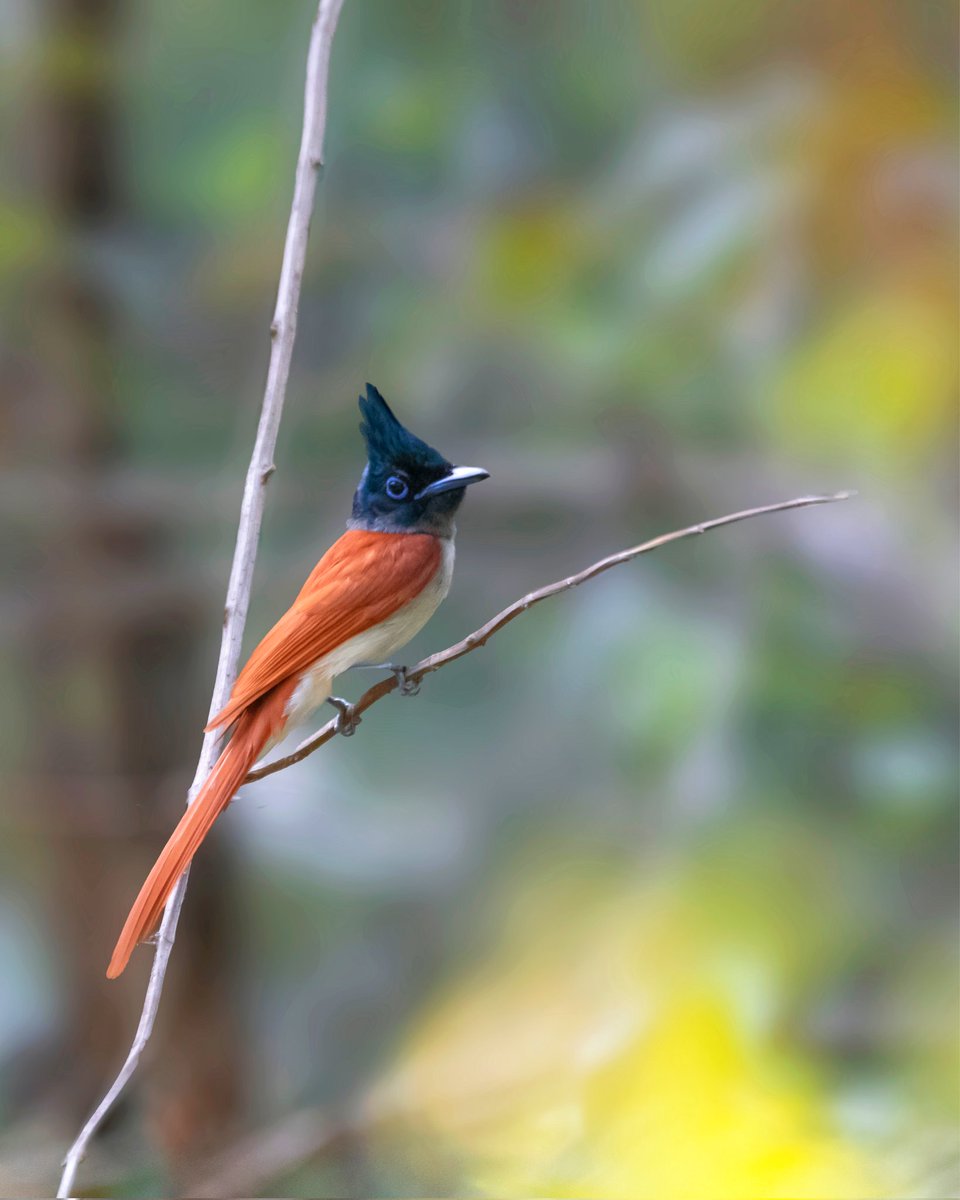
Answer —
655 896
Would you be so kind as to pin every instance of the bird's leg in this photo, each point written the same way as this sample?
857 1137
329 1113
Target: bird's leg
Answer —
406 685
348 720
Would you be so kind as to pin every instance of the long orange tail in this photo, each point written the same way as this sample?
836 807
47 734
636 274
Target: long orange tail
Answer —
254 728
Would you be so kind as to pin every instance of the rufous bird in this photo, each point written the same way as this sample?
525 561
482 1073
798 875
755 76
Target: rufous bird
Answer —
368 595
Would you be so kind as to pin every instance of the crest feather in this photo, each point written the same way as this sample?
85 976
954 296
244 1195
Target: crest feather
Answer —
389 442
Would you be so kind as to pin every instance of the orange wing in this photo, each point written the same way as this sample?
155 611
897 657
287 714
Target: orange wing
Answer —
361 580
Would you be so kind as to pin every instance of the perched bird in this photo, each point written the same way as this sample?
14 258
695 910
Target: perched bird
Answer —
371 592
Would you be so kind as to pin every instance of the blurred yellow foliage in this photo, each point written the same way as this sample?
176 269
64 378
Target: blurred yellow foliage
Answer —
693 1107
876 382
529 254
612 1045
28 239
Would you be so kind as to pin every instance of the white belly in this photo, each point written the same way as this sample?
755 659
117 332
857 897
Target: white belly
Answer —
374 645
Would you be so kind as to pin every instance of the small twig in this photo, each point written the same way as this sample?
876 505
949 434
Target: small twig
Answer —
283 332
481 636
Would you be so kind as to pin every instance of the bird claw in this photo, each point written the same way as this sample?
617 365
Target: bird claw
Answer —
406 685
349 719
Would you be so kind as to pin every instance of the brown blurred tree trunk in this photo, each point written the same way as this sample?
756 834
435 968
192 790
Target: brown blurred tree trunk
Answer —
109 688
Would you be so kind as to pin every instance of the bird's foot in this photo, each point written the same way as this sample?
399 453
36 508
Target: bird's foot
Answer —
349 718
406 685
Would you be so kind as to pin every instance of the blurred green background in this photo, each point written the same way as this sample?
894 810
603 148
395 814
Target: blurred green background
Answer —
655 896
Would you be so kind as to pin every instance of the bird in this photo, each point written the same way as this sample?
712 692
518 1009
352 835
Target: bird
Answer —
369 594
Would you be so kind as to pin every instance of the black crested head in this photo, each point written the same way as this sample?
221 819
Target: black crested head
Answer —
407 486
389 444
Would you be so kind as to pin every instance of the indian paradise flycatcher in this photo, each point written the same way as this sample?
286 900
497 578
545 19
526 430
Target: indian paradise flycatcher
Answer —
368 595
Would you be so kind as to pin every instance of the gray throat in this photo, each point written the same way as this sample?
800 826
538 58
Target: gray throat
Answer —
440 525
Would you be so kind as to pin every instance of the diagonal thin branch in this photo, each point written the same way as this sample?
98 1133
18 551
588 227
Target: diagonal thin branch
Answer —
481 636
283 331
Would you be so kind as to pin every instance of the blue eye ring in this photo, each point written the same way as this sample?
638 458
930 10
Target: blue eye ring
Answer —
396 488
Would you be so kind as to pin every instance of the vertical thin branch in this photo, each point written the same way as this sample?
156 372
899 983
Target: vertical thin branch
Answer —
283 332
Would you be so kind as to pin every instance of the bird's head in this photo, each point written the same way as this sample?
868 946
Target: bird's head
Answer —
406 486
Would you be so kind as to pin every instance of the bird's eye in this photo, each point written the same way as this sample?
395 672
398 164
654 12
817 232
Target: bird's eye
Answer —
397 488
